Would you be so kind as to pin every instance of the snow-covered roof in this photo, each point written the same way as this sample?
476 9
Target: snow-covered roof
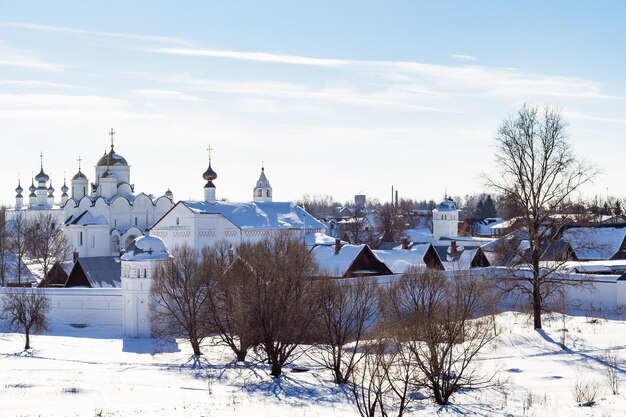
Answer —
459 260
317 239
258 215
146 248
595 243
336 264
421 235
86 218
399 261
10 269
484 226
446 205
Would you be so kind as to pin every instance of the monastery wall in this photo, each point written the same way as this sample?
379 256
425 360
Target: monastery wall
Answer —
91 306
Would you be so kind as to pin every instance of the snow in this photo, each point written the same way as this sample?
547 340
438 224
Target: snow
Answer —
146 248
258 215
595 243
336 264
399 261
84 371
313 239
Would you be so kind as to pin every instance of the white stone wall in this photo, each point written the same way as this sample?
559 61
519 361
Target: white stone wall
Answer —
91 306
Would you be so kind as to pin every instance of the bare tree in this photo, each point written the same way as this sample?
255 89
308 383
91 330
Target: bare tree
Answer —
390 223
538 171
19 231
179 298
444 324
26 309
279 295
4 246
226 308
347 312
356 228
47 242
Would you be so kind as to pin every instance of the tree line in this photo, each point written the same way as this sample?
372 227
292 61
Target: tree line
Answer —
383 341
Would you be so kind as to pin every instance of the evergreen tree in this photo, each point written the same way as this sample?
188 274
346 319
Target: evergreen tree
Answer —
488 209
617 210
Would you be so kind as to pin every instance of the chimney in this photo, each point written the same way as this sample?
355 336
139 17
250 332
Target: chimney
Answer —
396 198
453 247
405 243
75 255
337 246
231 254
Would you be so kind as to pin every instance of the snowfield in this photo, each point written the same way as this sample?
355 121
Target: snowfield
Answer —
91 371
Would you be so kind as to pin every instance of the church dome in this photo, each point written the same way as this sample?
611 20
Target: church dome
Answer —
80 175
32 187
446 205
209 174
64 189
112 159
19 188
42 176
146 248
51 188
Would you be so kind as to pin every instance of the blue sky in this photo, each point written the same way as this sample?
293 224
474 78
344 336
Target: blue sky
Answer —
336 97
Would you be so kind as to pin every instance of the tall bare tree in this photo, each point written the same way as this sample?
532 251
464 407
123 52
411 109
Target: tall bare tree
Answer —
444 323
390 223
537 172
47 242
279 295
179 298
19 231
26 309
347 312
4 246
226 310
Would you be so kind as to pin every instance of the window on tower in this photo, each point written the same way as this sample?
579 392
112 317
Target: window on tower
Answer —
259 193
268 193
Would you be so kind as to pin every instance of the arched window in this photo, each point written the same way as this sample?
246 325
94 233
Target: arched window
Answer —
145 273
259 193
268 193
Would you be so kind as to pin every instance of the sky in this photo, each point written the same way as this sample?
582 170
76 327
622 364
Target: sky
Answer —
338 98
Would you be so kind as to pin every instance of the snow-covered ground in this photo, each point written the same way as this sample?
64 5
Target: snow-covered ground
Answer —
90 371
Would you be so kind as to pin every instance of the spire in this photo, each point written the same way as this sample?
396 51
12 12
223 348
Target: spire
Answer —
112 134
209 175
263 190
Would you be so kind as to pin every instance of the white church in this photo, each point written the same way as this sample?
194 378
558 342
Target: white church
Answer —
100 218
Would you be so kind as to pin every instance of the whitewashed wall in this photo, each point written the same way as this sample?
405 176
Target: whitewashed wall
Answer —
92 306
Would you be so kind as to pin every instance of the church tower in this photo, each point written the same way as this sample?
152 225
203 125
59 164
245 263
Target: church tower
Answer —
79 184
209 176
142 259
445 219
42 190
19 198
64 196
263 191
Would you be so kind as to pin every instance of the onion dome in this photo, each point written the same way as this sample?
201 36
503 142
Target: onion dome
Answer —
78 175
146 248
19 189
42 176
112 159
32 189
209 174
64 189
50 189
169 194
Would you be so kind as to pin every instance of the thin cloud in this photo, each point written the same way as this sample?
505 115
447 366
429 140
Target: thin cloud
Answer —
16 57
37 84
116 35
165 95
464 57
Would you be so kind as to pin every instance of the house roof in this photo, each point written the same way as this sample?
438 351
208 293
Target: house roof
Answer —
399 260
99 271
351 260
10 269
596 243
258 215
461 259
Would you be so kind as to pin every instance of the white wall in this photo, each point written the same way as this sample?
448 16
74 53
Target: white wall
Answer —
92 306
